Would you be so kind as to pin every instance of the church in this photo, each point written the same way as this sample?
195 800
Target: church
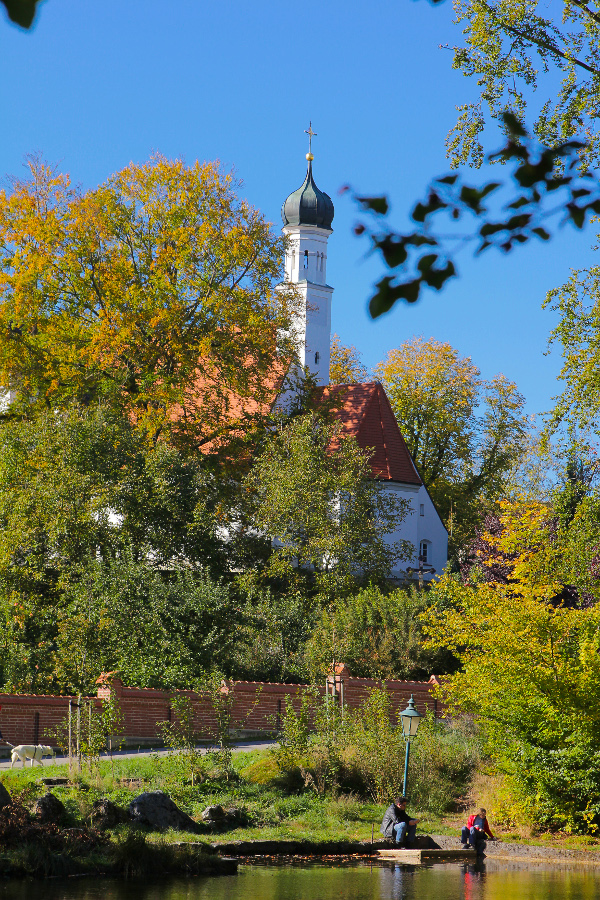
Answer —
364 410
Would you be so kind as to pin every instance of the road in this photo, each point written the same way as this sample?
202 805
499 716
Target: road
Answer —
241 747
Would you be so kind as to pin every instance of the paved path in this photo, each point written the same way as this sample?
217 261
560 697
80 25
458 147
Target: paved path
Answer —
241 747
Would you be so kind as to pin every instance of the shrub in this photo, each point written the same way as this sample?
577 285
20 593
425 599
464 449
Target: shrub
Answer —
362 752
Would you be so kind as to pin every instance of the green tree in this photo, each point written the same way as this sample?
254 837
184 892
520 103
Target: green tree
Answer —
311 490
577 303
377 634
81 491
463 433
515 49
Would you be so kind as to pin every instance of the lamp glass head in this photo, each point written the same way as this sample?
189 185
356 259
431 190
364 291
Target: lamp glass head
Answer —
410 718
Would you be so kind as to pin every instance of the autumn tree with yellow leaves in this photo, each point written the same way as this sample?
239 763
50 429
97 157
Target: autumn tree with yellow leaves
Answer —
155 290
346 365
464 433
530 665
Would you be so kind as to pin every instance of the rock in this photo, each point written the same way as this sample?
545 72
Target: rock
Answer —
48 809
220 819
214 814
5 798
106 814
235 818
156 810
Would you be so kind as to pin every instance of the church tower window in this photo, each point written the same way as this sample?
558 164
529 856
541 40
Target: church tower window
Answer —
306 259
317 358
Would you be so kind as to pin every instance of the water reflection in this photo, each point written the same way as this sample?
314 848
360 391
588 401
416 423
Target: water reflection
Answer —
473 877
483 881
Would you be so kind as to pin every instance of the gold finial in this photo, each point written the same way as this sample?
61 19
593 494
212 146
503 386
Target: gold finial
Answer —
311 134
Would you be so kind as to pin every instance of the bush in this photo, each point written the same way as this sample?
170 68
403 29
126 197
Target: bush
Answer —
361 752
445 756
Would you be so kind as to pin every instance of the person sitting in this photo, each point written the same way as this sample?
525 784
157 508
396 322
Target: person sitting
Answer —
397 825
476 829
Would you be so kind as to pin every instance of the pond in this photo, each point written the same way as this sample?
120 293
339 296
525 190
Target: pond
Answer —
491 881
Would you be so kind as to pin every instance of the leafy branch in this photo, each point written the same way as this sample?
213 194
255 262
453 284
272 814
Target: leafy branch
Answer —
22 12
425 257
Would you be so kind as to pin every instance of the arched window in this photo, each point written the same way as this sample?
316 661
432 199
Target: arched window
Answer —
293 264
425 552
306 259
317 358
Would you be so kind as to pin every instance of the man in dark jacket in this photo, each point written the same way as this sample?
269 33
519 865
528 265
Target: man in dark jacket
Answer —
397 824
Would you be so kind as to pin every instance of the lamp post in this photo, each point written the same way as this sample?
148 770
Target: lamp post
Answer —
410 719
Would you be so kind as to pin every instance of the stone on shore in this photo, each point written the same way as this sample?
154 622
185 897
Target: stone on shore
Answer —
106 814
155 809
48 809
5 798
221 819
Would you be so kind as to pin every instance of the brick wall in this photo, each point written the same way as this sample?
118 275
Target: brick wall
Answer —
255 706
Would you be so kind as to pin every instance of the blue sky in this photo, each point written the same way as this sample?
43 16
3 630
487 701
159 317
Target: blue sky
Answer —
97 85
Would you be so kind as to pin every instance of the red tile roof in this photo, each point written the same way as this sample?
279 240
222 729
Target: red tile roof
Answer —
364 411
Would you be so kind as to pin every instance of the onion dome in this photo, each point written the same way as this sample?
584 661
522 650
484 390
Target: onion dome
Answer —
308 205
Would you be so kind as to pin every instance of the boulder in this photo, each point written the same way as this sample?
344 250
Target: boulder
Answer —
5 798
156 810
236 818
214 814
48 809
106 814
221 819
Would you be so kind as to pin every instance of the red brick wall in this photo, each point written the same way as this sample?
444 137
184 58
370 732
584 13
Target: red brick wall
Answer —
256 706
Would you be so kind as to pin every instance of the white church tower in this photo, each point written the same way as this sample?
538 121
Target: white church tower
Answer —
307 216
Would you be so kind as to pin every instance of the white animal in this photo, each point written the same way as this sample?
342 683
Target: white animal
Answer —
34 752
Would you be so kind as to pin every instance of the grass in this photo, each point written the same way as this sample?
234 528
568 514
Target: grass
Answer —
272 812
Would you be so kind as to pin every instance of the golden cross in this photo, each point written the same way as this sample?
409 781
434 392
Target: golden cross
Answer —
311 134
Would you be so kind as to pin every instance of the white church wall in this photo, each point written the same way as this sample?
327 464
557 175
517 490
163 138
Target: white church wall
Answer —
431 529
421 524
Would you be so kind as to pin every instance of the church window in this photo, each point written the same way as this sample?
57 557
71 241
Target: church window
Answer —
425 552
317 358
306 259
293 263
422 509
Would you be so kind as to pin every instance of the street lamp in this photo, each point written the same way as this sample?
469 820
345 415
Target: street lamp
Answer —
410 719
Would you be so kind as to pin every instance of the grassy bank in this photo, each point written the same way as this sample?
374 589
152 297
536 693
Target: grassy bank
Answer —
271 807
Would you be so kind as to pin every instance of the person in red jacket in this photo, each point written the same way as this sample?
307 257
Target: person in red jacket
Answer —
476 829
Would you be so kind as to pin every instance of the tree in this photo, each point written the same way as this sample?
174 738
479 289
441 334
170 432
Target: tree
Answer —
329 520
529 670
377 634
512 49
346 366
549 182
80 488
463 433
578 304
155 290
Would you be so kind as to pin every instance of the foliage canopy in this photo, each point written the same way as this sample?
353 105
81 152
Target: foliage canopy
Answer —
156 288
